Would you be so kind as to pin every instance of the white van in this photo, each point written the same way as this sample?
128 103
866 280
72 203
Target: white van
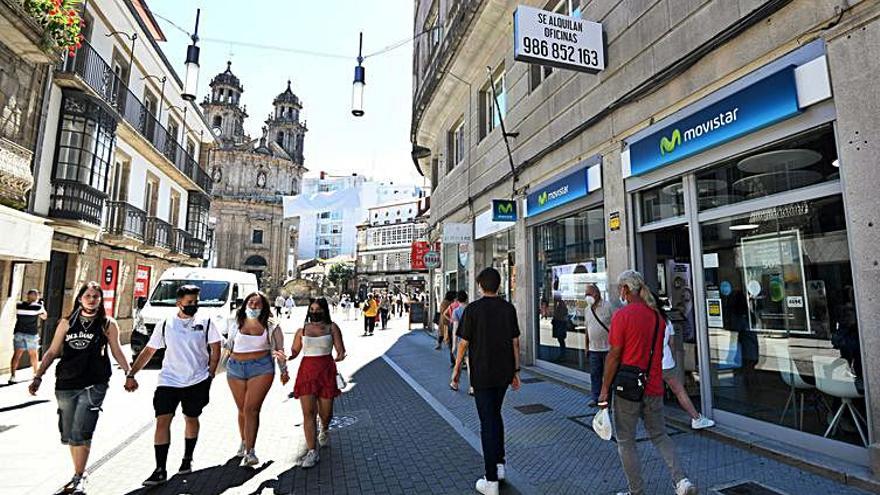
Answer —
222 292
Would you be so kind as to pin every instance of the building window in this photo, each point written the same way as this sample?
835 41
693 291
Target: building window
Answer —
279 139
493 106
174 209
324 215
86 138
151 195
455 145
257 236
218 122
191 148
197 209
152 106
173 129
119 174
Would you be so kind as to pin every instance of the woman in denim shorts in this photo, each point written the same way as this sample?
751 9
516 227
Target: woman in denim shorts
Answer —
82 374
253 344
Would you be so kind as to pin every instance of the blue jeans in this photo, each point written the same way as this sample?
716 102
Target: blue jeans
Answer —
245 370
597 370
78 411
489 401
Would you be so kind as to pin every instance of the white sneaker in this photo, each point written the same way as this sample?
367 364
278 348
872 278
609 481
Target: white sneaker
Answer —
501 473
701 422
685 487
250 459
241 450
323 438
311 458
76 485
487 487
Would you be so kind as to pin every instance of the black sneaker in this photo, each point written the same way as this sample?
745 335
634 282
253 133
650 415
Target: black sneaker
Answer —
158 477
185 466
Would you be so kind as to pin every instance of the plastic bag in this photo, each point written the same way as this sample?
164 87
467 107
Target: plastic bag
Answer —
602 424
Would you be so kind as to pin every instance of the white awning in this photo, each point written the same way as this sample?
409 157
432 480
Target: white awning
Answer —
24 237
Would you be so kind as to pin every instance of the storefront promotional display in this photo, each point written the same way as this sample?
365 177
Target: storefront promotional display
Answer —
548 38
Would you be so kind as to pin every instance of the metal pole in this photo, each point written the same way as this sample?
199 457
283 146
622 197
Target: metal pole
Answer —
161 99
134 38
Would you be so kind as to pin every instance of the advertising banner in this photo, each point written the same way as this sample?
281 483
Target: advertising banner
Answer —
417 257
142 281
109 276
548 38
457 233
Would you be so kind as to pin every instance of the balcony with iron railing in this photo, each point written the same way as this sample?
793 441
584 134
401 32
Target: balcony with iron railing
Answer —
125 220
194 248
74 200
158 233
90 68
179 238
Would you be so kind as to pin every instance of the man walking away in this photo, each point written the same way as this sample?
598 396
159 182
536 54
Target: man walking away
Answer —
289 304
637 347
597 316
455 314
489 333
279 305
192 351
26 335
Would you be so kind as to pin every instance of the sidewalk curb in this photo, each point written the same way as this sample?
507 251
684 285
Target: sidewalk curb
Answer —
842 474
514 479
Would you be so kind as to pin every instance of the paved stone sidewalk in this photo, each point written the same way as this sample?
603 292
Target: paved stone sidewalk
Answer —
557 452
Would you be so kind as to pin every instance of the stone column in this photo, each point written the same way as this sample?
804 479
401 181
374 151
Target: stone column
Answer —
617 242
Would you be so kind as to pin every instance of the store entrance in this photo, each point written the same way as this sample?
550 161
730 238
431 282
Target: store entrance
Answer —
666 265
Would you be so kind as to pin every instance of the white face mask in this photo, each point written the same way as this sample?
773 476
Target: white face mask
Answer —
253 314
591 300
623 301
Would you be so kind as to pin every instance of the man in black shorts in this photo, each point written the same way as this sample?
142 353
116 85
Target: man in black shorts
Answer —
192 351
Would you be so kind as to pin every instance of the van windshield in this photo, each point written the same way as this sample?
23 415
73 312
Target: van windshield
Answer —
214 292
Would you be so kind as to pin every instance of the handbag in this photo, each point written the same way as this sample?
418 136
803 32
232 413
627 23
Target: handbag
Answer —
630 381
340 381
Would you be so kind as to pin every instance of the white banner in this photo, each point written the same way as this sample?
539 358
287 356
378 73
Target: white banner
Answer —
457 233
547 38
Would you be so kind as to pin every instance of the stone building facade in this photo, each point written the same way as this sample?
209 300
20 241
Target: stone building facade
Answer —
250 178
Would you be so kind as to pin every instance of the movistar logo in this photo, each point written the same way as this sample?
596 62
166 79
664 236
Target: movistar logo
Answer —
711 124
545 196
668 145
542 198
505 207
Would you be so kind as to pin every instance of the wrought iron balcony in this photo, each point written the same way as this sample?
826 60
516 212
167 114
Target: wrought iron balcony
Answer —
75 201
97 74
194 248
126 220
158 233
180 238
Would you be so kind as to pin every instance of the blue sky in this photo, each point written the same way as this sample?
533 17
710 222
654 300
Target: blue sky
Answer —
376 145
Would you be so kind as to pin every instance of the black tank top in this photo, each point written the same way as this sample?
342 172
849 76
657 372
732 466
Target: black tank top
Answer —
84 359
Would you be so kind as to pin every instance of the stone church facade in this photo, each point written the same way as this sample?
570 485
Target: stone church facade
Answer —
250 178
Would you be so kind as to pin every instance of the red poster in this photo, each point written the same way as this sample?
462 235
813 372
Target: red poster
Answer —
142 281
108 276
419 248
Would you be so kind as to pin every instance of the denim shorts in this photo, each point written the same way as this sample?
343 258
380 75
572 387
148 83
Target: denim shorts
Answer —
245 370
78 411
25 341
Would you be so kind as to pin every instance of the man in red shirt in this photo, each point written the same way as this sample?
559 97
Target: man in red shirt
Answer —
634 328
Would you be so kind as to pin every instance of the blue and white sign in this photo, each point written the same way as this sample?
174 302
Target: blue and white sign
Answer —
764 103
573 186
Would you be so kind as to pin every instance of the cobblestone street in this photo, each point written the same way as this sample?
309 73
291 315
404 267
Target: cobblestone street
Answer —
398 429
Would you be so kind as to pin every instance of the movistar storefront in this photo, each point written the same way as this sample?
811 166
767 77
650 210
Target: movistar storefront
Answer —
566 242
740 226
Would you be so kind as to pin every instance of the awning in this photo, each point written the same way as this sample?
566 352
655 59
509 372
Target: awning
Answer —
25 237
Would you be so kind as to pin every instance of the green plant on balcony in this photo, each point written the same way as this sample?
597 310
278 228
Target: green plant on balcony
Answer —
60 20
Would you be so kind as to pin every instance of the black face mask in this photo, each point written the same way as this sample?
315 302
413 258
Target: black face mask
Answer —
190 310
316 316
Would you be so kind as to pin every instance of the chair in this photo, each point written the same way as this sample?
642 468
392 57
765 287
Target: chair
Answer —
834 378
790 375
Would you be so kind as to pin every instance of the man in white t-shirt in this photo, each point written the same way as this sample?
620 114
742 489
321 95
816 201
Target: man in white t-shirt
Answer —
192 352
597 317
279 305
289 304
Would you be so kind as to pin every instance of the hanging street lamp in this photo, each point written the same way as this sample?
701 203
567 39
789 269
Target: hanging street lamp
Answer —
357 89
191 82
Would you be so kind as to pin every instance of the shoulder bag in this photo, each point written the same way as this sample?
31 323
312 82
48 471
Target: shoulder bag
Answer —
593 310
630 381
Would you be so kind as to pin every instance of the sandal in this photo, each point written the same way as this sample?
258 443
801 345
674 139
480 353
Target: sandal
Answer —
453 386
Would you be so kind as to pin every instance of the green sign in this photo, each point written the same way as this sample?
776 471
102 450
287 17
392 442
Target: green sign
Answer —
503 210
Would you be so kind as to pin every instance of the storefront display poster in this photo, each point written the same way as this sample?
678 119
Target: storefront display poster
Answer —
713 313
109 276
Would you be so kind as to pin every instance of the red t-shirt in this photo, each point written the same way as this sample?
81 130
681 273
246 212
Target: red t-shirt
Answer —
632 328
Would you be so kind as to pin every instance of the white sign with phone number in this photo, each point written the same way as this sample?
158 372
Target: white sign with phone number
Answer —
547 38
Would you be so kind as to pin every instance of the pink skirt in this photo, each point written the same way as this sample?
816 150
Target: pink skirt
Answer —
316 376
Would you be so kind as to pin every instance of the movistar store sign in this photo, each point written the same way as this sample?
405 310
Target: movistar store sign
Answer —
570 187
759 105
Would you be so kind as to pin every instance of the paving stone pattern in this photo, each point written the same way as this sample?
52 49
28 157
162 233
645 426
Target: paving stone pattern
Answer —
557 452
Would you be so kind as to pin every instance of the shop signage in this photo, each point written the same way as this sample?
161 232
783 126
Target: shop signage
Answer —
548 38
417 255
614 221
565 190
759 105
108 276
503 210
142 281
457 233
432 260
713 313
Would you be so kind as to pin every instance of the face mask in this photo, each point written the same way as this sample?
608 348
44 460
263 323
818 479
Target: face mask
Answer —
316 316
591 300
190 310
623 301
253 314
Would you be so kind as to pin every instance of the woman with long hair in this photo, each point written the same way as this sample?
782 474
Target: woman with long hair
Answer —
253 342
315 385
82 375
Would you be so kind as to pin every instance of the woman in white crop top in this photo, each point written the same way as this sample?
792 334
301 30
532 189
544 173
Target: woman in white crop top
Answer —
254 343
315 385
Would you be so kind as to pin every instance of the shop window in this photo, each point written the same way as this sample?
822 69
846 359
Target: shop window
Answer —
783 336
662 202
803 161
570 255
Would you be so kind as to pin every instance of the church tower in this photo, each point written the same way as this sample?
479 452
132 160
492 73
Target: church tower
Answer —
284 127
223 110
